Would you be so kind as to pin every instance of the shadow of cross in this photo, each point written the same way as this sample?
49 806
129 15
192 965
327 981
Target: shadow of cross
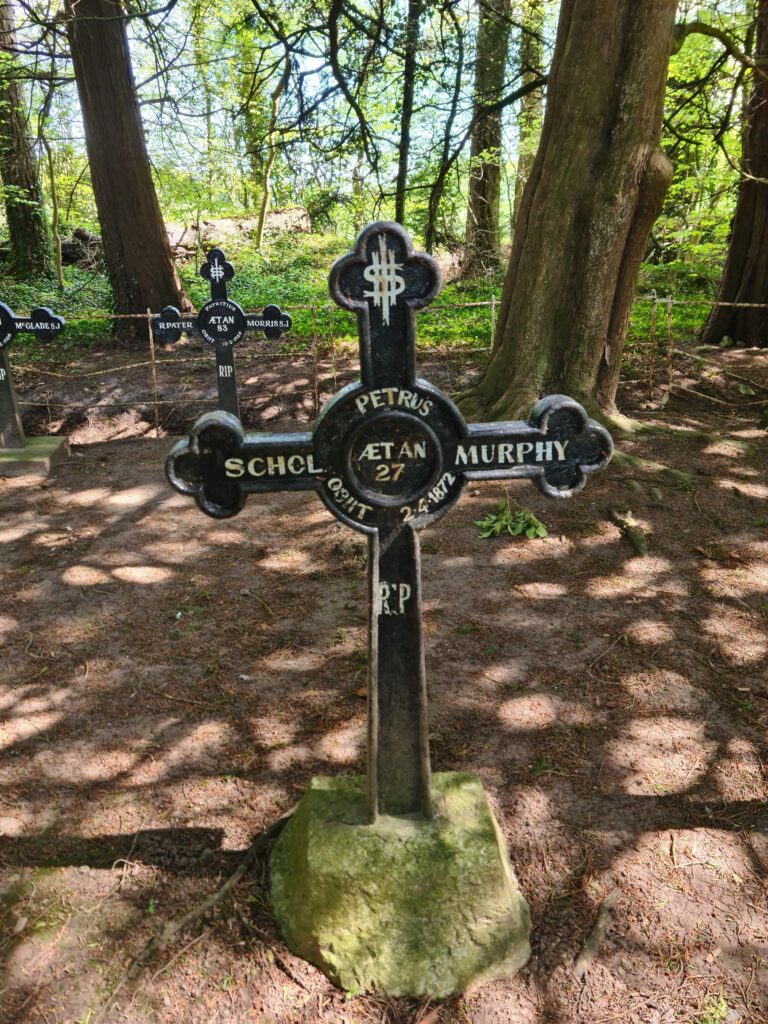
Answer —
44 325
221 323
389 454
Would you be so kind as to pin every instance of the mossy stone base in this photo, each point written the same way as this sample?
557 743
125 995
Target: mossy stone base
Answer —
39 455
405 907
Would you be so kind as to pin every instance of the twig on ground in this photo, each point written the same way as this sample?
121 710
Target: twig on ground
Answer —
591 946
159 942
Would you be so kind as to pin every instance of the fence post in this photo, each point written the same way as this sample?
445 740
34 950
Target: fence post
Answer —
652 343
154 372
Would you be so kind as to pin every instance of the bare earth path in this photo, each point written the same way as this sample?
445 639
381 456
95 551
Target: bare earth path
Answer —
169 684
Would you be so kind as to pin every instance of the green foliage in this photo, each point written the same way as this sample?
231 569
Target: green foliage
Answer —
512 518
715 1012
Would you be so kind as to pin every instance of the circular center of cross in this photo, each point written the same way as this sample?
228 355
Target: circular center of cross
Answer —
393 457
221 322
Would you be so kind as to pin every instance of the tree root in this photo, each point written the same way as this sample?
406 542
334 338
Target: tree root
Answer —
591 946
631 529
159 942
623 460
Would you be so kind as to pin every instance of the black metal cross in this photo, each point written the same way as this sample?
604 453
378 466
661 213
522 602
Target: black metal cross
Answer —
389 454
221 323
44 325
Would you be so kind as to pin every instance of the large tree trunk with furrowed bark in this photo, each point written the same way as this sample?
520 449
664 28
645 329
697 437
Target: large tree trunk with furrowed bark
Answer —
531 14
596 185
136 250
745 276
24 211
481 244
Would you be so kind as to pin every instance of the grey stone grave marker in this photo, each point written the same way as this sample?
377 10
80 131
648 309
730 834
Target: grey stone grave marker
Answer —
20 454
222 324
388 456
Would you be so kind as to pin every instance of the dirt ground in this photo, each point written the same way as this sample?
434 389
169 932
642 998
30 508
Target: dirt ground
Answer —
170 684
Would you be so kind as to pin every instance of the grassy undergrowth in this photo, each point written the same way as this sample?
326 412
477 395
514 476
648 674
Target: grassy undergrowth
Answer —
293 271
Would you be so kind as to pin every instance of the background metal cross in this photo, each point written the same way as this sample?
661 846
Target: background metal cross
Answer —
44 325
222 324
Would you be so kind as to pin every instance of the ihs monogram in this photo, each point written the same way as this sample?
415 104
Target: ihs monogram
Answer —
382 272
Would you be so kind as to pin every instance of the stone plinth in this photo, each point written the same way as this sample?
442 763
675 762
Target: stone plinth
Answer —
405 907
39 455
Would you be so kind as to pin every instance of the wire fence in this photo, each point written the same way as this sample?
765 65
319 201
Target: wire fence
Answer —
324 352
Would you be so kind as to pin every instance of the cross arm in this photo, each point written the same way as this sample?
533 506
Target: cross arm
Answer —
557 447
41 322
219 464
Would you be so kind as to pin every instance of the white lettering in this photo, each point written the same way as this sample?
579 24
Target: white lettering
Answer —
295 464
398 593
523 449
561 446
234 467
252 470
276 465
225 371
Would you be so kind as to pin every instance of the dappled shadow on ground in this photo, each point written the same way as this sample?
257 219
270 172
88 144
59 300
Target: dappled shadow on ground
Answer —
171 683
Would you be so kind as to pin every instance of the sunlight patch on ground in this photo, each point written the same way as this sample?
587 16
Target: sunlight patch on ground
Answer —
222 535
736 636
133 496
541 711
748 578
726 447
287 558
660 755
649 631
84 576
739 772
12 733
642 577
90 496
7 625
746 487
664 690
290 661
142 574
200 747
343 745
83 762
541 591
19 530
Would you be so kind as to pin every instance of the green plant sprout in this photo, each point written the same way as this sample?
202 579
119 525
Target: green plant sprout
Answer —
512 518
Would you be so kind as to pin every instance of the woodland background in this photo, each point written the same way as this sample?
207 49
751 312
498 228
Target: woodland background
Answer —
120 117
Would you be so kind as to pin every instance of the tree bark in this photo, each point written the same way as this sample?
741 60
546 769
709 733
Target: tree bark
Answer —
136 250
745 275
406 112
585 214
481 240
24 210
532 105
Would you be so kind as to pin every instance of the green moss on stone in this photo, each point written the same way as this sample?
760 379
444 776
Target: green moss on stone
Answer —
405 906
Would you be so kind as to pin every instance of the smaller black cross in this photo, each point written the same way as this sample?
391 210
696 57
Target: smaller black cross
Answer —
389 455
44 325
221 323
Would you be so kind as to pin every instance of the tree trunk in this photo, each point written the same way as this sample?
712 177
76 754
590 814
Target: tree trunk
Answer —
277 92
745 276
531 105
136 250
27 223
586 212
481 242
406 111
